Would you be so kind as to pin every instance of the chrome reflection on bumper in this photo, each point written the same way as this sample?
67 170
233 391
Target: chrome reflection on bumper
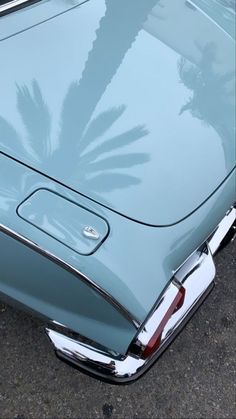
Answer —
226 229
131 366
187 289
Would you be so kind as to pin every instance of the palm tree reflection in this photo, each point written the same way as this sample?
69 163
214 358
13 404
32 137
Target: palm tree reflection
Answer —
212 97
117 32
34 113
79 137
89 165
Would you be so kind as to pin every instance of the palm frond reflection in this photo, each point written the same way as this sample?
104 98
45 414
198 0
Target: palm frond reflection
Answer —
212 96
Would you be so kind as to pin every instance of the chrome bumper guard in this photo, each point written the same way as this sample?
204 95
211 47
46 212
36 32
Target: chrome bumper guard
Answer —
188 288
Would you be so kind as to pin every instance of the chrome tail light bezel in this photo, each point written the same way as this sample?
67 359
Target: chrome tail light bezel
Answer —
195 277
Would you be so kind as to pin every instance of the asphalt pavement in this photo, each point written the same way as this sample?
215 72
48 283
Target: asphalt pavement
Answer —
194 378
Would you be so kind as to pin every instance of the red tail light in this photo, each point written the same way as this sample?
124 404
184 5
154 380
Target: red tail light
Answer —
155 340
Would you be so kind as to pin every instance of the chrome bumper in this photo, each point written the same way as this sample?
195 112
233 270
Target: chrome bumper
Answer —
188 288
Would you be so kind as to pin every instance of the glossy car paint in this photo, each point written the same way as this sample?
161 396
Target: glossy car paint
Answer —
77 112
128 105
47 289
134 264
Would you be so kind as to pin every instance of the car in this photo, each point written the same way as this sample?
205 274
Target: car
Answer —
117 170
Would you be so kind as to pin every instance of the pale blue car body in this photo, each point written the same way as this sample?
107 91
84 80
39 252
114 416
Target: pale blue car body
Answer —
122 113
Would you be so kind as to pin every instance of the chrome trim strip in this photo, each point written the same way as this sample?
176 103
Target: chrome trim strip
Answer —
195 277
108 297
199 8
14 4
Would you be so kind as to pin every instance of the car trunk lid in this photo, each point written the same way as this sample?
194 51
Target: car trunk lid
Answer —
130 106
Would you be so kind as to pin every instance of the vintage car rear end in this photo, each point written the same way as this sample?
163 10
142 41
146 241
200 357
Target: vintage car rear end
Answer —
117 170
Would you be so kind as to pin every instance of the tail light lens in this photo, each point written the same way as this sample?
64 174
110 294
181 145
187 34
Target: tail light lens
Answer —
155 340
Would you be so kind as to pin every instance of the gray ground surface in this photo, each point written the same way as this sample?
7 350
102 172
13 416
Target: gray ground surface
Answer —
195 377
